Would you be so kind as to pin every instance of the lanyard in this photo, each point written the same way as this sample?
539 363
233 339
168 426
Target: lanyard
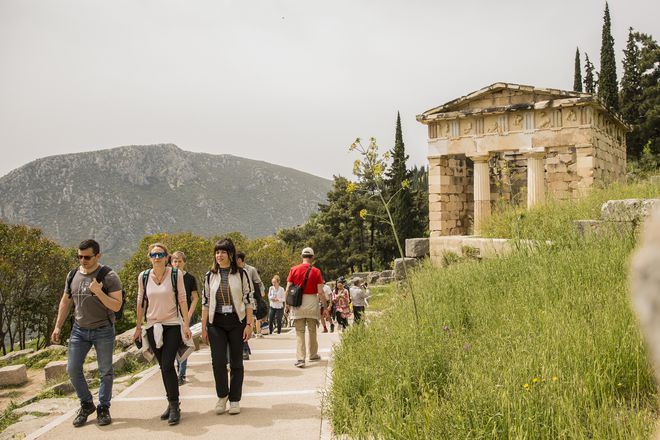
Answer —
225 301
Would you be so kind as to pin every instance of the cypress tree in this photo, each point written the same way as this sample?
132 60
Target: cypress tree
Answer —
589 84
631 88
577 78
607 82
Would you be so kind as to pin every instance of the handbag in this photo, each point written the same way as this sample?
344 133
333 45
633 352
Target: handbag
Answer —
294 295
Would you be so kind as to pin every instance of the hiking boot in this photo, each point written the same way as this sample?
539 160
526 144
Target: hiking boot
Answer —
299 364
103 415
234 408
316 357
166 414
246 357
182 380
175 414
332 328
221 405
86 409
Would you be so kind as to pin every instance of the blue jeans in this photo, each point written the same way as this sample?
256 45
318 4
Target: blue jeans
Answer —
81 341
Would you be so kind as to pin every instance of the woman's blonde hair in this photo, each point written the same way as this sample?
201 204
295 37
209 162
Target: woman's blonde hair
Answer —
179 254
160 245
276 277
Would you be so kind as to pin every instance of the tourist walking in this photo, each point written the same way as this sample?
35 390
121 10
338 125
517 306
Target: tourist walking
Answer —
326 312
192 297
307 315
95 291
359 294
276 301
162 299
260 308
341 300
227 320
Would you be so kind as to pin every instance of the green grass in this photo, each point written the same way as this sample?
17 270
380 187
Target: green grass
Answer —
7 417
554 220
557 320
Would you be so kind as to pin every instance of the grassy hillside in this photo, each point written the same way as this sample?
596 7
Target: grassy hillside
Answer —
534 346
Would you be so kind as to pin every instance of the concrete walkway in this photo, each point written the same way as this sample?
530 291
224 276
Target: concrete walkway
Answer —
279 400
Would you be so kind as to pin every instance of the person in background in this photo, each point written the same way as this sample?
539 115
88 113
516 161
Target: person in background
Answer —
326 312
359 294
276 300
257 287
192 297
227 320
341 300
95 292
308 313
162 298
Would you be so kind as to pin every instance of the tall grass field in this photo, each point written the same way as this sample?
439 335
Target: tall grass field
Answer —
536 345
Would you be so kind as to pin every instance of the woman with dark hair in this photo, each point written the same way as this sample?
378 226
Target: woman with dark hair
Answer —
227 320
162 298
340 299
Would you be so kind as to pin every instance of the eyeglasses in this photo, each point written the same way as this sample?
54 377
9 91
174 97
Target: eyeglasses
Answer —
158 255
86 257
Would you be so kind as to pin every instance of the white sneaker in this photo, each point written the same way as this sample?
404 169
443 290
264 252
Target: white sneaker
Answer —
234 408
221 406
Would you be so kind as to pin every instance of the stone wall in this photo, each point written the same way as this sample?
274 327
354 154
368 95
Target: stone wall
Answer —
450 195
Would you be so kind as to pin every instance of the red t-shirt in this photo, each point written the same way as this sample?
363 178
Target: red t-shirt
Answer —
297 276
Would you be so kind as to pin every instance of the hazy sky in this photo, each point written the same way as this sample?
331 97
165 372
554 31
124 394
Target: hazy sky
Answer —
287 82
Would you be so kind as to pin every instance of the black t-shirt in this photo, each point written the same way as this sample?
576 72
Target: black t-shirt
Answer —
191 286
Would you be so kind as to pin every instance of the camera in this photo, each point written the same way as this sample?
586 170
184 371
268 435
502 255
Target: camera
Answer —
138 343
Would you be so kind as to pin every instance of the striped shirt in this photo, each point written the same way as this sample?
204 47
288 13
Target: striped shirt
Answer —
223 294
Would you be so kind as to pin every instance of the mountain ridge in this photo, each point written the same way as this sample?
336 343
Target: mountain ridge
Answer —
118 195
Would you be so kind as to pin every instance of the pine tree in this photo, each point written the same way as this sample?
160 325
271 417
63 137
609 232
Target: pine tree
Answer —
631 88
589 84
577 78
607 82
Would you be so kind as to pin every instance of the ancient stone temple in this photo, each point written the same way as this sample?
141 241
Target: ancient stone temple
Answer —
510 143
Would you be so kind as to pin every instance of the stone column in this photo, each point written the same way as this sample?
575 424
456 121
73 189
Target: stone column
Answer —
481 191
535 178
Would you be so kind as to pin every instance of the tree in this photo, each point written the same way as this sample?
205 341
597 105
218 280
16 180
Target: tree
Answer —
607 81
589 83
631 88
577 76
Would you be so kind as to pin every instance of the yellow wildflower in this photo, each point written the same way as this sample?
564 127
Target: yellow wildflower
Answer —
363 214
351 187
554 378
405 184
526 387
535 380
356 167
378 169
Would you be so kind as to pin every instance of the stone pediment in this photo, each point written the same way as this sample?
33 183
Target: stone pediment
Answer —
500 97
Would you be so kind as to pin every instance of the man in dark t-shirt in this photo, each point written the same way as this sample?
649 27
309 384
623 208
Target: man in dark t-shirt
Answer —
192 297
95 299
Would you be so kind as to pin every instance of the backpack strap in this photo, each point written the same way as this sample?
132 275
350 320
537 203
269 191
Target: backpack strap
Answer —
145 281
101 276
69 280
175 277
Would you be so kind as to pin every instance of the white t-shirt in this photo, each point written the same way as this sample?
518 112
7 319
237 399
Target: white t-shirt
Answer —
276 297
328 292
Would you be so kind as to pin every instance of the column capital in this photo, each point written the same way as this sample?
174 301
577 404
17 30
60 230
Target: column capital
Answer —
479 157
537 153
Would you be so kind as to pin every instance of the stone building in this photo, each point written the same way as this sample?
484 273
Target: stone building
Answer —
506 143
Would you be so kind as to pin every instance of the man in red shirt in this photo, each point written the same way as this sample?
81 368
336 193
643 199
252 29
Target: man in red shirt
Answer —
308 314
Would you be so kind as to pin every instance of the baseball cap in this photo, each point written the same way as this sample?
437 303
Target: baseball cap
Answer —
308 252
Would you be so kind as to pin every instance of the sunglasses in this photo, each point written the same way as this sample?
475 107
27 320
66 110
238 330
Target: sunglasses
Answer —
86 257
158 255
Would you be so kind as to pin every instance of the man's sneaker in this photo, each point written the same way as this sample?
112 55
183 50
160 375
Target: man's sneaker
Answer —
325 330
234 408
246 357
332 328
221 405
299 364
86 409
103 415
316 357
182 380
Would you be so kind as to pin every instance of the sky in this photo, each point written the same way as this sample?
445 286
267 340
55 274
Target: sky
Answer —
290 82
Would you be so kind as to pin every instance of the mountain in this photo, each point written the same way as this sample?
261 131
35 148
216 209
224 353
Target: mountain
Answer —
119 195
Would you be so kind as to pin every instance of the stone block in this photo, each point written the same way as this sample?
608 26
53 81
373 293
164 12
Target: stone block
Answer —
384 280
628 210
125 339
417 247
16 354
401 265
49 406
55 369
372 277
13 375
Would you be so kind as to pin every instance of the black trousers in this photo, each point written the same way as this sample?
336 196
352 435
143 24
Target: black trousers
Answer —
275 315
357 313
227 330
166 356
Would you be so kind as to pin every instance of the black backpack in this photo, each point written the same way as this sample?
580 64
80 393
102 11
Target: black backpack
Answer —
100 276
145 279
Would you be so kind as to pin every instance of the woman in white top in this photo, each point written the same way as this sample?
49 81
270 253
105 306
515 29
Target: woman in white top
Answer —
276 299
163 306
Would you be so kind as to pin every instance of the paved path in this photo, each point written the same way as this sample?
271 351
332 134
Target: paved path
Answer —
279 401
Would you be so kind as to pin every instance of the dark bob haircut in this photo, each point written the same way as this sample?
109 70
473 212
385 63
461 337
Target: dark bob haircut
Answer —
228 246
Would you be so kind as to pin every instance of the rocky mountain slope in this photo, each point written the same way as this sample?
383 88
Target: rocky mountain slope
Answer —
121 194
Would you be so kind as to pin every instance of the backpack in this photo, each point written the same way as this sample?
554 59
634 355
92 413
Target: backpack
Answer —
145 279
100 276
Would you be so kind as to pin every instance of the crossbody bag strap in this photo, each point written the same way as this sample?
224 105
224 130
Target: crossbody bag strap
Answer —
309 269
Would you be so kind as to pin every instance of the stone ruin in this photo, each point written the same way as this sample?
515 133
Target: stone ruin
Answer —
507 143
